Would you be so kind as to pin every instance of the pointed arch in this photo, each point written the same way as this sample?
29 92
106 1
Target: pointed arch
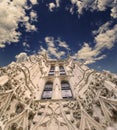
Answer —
66 89
62 70
5 99
47 92
52 69
19 121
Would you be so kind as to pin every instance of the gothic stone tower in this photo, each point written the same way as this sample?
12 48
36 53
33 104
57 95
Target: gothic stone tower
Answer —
43 94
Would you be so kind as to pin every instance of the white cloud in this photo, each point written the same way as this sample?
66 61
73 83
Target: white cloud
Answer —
51 6
105 38
26 47
19 2
102 28
2 45
81 5
86 52
54 5
114 12
8 22
63 44
33 16
50 41
30 27
25 44
92 5
99 5
89 54
57 3
103 4
54 47
11 13
34 2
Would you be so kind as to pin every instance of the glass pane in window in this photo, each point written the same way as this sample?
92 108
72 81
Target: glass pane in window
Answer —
61 67
48 86
52 68
62 71
66 94
65 85
47 95
51 73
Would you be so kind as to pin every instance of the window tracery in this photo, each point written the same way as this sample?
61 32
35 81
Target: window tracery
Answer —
47 92
66 90
62 70
52 69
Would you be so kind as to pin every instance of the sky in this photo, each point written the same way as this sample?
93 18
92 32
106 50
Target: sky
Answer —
84 29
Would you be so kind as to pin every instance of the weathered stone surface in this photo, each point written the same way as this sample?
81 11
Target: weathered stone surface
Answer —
79 98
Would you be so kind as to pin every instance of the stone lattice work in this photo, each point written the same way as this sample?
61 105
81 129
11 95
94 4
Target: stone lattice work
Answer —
93 105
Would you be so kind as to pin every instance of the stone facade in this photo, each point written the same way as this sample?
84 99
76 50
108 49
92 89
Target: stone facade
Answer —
43 94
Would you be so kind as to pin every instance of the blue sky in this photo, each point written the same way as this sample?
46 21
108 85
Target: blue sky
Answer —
85 29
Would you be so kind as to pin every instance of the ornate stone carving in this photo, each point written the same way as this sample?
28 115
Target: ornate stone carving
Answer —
93 106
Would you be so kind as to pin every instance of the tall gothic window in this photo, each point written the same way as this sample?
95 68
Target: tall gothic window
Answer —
66 90
47 92
51 72
62 70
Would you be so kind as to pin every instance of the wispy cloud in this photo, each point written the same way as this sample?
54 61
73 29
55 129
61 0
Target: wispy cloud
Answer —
33 16
88 54
52 5
25 44
92 5
63 44
105 38
114 12
99 5
2 45
54 47
34 2
11 14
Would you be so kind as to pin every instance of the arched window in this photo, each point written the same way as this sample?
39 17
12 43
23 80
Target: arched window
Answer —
66 90
51 72
47 92
62 70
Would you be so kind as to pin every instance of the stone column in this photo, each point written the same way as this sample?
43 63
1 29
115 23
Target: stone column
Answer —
56 89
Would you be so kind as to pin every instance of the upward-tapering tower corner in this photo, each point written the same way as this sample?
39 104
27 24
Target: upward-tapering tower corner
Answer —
37 93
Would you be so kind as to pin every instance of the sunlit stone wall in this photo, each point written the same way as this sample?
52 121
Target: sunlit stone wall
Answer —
76 97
